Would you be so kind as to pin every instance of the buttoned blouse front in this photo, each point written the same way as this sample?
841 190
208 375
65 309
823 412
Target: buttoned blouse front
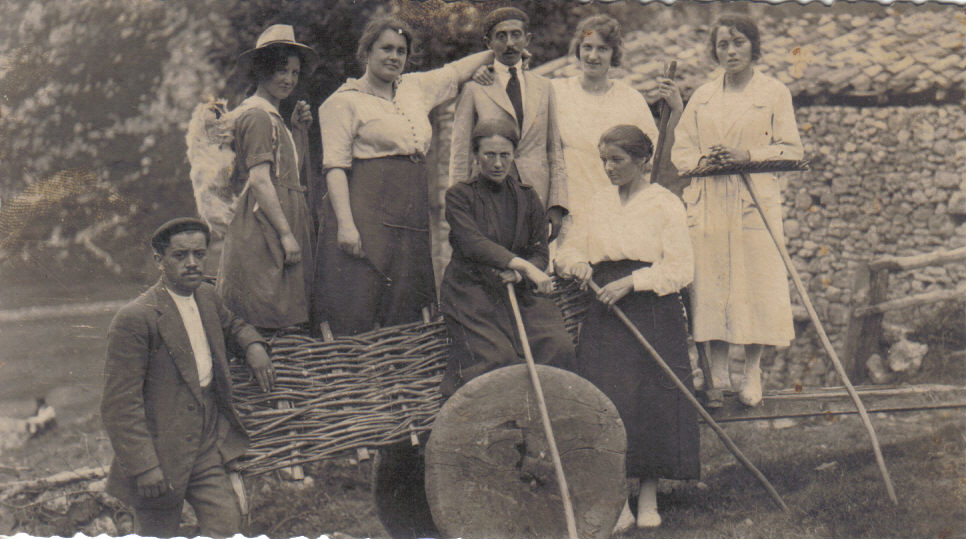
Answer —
650 227
358 125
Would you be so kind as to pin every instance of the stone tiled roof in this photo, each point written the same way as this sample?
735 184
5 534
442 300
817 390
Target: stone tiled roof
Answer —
815 54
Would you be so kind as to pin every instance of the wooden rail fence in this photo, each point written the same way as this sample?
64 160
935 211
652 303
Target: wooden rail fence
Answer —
864 333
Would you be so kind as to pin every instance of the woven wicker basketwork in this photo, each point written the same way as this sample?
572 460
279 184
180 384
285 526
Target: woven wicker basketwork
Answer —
365 391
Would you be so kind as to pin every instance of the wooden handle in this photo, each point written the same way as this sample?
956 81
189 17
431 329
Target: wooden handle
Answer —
826 343
725 439
544 416
662 127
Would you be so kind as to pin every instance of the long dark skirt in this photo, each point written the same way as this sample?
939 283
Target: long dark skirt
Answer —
662 427
394 281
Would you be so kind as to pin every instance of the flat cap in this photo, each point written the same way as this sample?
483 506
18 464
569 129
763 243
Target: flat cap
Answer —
162 235
499 15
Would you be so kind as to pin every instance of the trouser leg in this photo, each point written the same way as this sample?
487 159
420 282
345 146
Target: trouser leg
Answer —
211 496
158 522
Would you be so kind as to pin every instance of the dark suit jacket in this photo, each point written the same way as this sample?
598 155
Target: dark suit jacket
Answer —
539 157
151 406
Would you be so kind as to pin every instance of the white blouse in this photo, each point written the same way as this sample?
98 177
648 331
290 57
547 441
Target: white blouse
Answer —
650 227
357 124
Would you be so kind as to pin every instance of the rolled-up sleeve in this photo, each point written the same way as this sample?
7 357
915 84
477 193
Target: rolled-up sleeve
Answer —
337 123
438 85
254 134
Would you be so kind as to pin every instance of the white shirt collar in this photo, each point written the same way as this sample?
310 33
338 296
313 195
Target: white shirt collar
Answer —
504 69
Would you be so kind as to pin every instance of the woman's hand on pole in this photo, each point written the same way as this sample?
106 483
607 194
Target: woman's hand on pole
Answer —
669 91
302 116
581 272
725 155
615 291
541 280
510 276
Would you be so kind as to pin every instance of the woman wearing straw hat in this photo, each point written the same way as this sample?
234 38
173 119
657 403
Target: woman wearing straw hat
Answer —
266 266
374 263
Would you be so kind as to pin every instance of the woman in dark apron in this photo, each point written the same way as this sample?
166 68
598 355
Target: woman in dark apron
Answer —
374 256
635 245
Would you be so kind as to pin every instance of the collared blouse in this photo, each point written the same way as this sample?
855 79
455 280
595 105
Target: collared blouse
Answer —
650 227
358 125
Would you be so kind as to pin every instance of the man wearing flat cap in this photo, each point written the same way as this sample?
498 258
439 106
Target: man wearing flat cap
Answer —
167 405
524 98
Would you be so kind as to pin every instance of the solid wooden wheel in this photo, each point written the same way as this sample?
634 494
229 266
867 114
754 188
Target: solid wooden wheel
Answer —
488 467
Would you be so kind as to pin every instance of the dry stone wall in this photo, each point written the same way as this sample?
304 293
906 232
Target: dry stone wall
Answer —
884 181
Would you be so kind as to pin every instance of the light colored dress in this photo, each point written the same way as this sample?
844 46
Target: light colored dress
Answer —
740 293
582 118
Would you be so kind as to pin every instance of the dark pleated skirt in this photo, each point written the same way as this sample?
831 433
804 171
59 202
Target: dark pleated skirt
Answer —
390 206
662 426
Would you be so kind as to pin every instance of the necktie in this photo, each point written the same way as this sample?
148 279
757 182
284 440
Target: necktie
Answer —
515 95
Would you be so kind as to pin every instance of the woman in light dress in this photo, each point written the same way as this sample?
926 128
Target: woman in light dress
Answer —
592 103
740 292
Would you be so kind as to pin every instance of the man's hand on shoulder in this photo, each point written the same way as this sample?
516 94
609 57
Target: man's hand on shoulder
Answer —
261 366
152 484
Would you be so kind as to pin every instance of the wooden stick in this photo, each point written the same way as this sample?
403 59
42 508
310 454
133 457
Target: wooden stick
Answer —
544 416
9 490
825 340
662 128
913 301
697 405
917 261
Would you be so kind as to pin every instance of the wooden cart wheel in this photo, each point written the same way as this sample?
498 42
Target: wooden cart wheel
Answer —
488 468
399 492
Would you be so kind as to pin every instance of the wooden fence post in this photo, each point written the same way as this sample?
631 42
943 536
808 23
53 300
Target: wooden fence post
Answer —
864 334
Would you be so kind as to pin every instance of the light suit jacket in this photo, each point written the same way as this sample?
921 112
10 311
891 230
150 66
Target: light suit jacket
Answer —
152 403
539 158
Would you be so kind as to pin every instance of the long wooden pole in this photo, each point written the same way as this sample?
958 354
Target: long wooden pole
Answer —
662 128
544 416
825 340
725 439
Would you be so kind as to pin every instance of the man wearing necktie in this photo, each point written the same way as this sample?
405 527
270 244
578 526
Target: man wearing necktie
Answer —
526 99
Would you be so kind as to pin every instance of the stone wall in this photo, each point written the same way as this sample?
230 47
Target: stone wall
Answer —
884 181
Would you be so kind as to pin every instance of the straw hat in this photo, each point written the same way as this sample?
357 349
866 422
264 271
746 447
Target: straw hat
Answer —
280 34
